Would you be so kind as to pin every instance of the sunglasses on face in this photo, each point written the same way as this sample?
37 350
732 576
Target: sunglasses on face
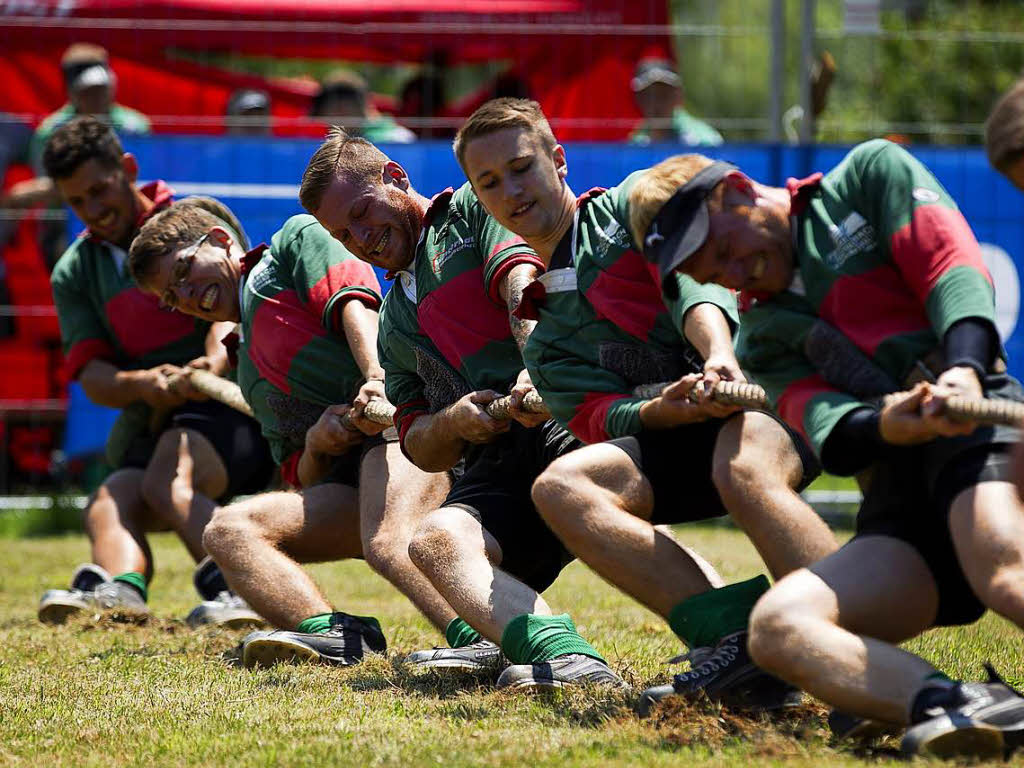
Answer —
180 272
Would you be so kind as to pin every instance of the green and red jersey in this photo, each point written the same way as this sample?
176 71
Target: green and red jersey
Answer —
603 327
444 330
293 356
883 255
103 314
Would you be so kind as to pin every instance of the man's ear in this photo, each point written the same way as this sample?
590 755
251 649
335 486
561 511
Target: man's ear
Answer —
561 165
739 189
220 237
395 175
130 166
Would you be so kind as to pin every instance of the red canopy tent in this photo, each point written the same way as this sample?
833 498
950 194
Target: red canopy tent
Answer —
575 56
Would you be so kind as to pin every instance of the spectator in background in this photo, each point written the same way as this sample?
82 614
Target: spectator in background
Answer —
248 113
659 95
90 85
1004 135
344 98
423 97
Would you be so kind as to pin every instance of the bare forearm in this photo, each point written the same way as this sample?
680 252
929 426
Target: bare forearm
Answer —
707 329
432 443
360 325
105 384
511 291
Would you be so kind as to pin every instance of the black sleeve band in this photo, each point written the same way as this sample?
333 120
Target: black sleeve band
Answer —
853 444
971 342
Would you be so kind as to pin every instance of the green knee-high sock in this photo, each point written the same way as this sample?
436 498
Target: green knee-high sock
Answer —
530 639
702 620
136 580
459 634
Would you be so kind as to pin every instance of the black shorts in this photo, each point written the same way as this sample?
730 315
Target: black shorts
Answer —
911 490
495 489
678 462
236 438
345 468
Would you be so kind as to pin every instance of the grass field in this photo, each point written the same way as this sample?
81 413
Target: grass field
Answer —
93 693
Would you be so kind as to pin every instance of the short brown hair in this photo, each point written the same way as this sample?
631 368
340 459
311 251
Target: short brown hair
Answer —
499 114
340 154
1004 129
81 139
658 183
178 227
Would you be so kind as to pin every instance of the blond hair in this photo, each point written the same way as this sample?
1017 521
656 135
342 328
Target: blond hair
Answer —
340 155
1004 129
499 114
658 183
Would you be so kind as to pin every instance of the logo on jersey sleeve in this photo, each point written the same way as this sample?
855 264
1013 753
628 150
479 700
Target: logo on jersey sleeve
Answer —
851 236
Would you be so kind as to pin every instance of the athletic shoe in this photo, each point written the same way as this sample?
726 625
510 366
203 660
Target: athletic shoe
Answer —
482 655
220 606
987 722
726 673
847 727
120 600
226 610
57 604
570 669
344 644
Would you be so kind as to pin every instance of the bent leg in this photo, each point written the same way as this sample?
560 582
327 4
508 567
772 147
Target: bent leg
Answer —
115 522
394 496
258 544
756 471
183 500
987 526
461 560
830 629
598 503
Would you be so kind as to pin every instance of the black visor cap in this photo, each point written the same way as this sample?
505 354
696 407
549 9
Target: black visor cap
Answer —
681 225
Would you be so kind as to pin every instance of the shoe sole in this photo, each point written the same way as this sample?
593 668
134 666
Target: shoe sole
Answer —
453 664
977 741
535 685
266 652
245 621
57 613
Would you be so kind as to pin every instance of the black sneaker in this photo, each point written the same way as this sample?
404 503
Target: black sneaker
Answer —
988 722
57 605
344 644
726 673
482 655
571 669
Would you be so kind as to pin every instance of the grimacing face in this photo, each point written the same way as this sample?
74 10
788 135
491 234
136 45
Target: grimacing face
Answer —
199 281
378 223
518 180
104 198
748 245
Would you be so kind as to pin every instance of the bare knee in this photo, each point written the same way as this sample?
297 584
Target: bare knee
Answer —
440 537
777 624
1004 593
753 455
558 492
227 532
387 554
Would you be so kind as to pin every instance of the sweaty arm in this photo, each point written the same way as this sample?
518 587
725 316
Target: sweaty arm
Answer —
511 291
105 384
707 328
360 325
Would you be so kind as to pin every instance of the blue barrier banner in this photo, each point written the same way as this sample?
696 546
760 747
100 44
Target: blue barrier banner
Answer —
258 178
